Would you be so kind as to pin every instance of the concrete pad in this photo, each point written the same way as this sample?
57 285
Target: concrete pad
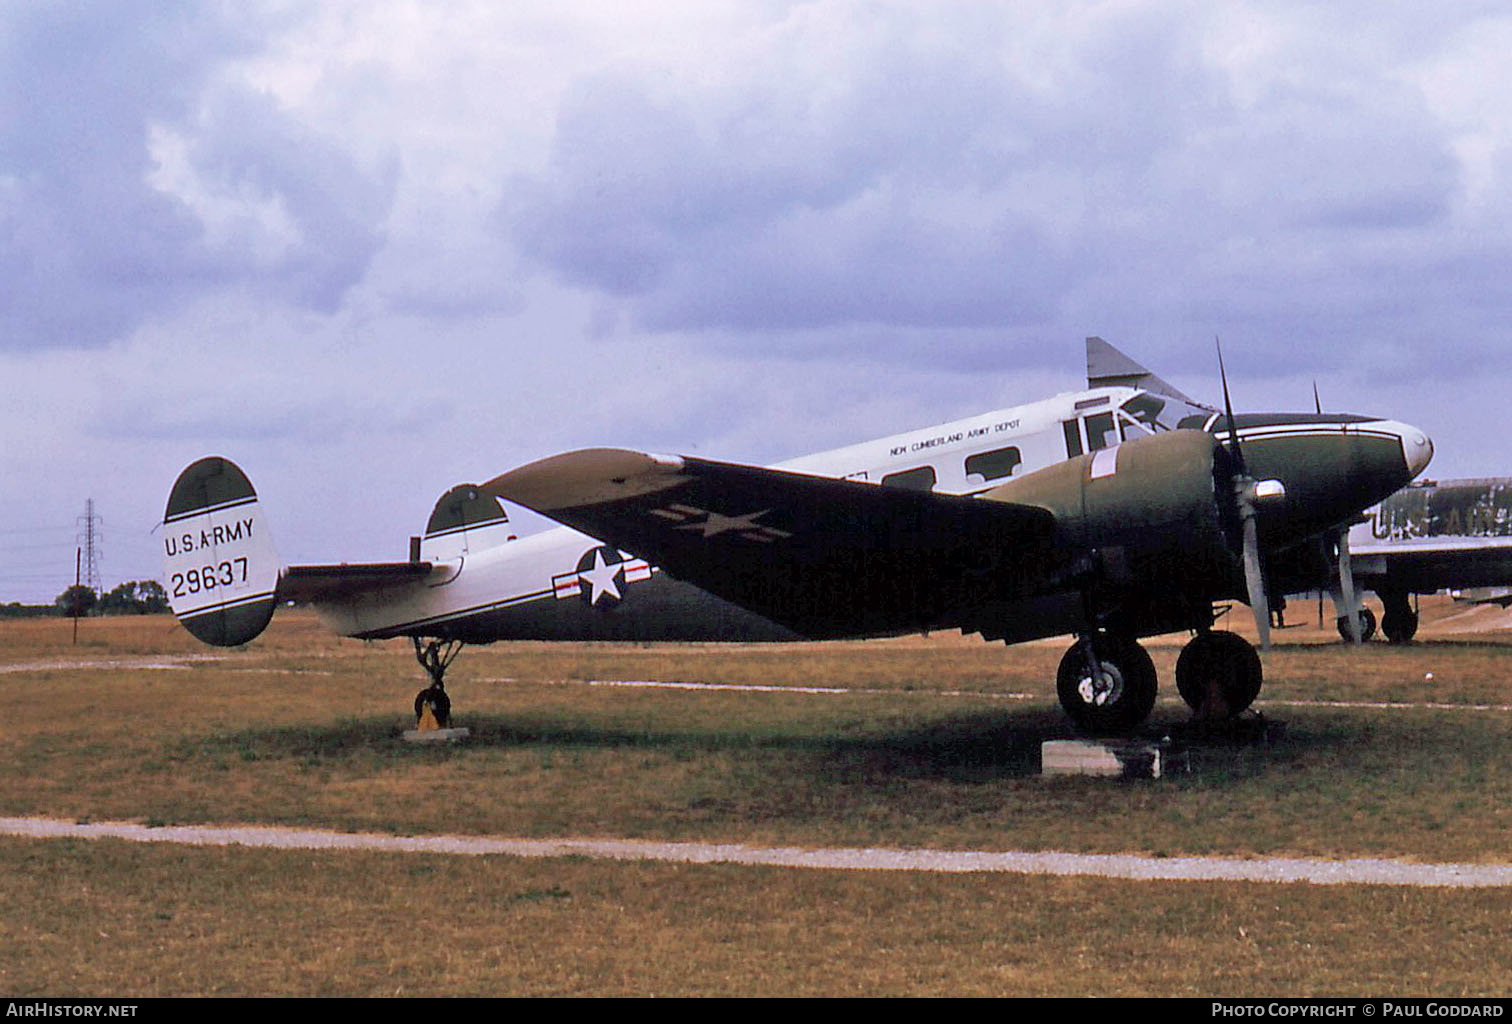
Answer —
1118 759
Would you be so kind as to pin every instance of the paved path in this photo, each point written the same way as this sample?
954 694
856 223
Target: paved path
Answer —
1317 872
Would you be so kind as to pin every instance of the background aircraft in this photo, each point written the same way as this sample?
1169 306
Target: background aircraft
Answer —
1451 535
1089 513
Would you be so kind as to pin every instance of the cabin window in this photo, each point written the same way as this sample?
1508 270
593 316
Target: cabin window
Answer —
921 479
1073 438
1100 431
994 465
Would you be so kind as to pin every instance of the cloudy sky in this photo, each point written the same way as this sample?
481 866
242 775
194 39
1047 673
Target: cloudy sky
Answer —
371 249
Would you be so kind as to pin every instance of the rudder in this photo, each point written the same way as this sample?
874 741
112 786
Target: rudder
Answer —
220 567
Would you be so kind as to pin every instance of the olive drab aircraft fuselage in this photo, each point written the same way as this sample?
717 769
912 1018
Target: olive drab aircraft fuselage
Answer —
1113 513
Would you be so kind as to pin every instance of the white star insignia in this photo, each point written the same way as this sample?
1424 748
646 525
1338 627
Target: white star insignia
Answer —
601 579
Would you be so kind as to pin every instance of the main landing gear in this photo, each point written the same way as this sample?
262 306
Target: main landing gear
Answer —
434 656
1367 621
1107 683
1399 620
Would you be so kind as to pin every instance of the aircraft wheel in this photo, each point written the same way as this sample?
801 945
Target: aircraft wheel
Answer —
1367 625
1218 674
1121 695
1399 622
439 703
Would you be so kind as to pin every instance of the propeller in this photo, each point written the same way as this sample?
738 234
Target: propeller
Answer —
1246 493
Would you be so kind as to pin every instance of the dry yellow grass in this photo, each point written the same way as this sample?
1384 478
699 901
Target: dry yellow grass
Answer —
117 920
300 728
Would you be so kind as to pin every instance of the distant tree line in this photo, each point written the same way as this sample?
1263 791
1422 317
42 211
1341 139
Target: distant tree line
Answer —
17 610
140 597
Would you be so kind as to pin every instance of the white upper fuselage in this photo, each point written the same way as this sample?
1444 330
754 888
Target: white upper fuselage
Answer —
483 573
487 586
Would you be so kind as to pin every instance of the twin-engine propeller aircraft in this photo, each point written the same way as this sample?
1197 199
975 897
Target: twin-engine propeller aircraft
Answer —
1113 514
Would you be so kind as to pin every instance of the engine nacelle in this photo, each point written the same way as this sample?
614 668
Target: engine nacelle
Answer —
1133 519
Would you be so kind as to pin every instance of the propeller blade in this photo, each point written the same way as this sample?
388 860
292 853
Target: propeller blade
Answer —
1228 412
1244 498
1346 588
1254 576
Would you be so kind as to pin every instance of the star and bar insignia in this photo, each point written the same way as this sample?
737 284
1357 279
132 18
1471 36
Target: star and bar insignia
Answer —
599 576
712 524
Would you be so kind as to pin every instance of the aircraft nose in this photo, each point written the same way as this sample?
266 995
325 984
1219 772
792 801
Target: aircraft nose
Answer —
1417 448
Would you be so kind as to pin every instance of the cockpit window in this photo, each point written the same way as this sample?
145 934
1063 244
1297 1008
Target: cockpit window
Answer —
1100 432
1162 412
1146 409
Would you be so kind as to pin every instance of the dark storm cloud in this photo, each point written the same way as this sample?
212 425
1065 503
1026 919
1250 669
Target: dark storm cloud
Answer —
956 176
888 194
928 180
89 247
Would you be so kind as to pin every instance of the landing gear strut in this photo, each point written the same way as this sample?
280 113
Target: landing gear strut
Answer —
1106 683
434 656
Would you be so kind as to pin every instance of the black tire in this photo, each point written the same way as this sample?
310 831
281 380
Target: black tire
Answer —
1367 626
1225 659
440 705
1399 622
1128 691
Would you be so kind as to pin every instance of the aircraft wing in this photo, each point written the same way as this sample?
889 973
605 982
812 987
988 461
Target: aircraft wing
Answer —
1450 534
1425 564
307 583
823 556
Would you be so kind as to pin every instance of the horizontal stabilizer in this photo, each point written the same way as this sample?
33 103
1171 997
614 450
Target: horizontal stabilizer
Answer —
312 584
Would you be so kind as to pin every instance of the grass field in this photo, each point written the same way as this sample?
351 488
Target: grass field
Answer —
934 743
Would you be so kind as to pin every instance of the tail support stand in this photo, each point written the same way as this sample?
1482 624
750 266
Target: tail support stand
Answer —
432 705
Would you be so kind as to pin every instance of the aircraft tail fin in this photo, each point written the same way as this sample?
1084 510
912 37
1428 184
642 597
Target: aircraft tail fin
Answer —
466 518
1106 365
220 567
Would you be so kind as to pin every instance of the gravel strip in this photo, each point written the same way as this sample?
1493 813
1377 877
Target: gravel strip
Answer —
1228 869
